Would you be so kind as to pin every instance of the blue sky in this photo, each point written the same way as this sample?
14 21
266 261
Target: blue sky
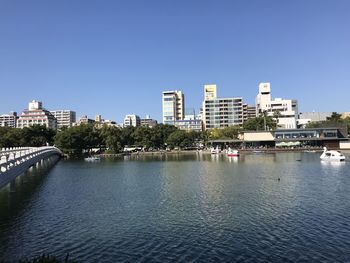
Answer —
116 57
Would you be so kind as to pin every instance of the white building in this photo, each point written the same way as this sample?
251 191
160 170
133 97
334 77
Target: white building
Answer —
8 120
286 110
65 118
36 115
173 105
132 120
221 112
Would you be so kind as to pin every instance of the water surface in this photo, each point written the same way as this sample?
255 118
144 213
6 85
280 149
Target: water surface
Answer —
283 207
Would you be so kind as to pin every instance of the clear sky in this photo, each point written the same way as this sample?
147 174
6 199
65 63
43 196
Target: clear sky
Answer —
116 57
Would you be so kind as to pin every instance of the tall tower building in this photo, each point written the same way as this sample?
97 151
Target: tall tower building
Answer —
173 104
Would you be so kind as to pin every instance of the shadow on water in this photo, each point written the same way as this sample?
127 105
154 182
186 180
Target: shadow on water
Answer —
27 184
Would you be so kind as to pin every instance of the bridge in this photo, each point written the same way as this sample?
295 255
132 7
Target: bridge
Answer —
17 160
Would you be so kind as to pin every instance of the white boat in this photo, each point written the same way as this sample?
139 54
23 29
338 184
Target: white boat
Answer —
215 150
92 159
232 153
331 155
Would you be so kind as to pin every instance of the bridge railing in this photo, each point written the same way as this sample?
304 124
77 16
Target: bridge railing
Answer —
12 158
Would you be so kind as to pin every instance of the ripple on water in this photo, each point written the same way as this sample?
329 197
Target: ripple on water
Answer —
185 210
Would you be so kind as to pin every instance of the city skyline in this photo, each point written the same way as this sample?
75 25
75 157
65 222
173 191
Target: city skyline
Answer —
115 59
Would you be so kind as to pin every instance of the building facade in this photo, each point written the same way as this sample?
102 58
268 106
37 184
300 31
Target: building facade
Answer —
148 122
285 111
221 112
173 106
85 120
36 115
132 120
65 118
8 120
189 125
249 112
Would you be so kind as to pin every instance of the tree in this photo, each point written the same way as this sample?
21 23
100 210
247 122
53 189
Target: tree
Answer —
112 138
335 117
74 140
181 139
260 123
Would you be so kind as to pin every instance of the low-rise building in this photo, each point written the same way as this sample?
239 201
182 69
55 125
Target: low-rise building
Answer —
189 125
36 115
65 118
85 120
132 120
148 121
9 120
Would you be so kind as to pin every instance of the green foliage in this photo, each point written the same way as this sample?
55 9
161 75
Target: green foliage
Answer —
182 139
334 120
74 140
259 123
33 136
335 117
230 132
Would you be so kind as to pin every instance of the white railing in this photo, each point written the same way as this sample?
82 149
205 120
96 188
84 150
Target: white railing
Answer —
13 157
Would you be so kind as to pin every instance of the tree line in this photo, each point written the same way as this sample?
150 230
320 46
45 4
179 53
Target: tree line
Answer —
78 139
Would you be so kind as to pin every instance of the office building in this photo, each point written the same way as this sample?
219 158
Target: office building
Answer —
132 120
9 120
36 115
65 118
173 105
285 111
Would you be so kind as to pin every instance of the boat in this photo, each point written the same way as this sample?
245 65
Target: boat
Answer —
215 150
331 155
232 153
92 159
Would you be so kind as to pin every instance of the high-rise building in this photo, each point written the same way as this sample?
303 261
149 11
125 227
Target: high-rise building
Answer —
173 103
9 120
36 115
132 120
285 111
221 112
65 118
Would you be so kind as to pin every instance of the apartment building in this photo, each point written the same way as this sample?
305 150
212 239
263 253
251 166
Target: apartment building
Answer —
9 120
173 106
221 112
36 115
132 120
65 118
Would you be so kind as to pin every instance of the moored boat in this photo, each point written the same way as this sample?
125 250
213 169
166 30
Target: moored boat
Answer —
92 159
232 153
331 155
